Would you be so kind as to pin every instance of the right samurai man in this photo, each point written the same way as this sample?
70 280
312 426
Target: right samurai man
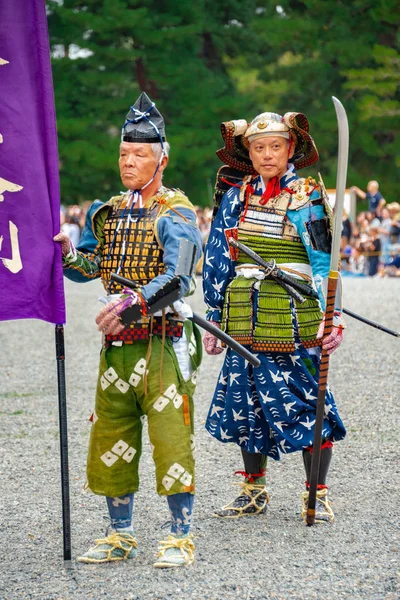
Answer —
270 410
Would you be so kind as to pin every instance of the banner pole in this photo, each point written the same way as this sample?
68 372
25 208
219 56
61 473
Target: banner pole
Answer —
62 415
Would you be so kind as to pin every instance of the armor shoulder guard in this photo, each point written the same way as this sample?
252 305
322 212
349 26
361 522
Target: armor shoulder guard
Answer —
115 200
301 191
173 198
227 177
97 215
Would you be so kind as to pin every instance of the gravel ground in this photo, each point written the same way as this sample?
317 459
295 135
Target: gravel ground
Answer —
274 556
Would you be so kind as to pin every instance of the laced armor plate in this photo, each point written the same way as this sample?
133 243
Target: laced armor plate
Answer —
135 249
259 314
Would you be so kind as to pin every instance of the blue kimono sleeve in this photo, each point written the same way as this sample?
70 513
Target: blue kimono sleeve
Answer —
84 264
170 230
218 268
319 260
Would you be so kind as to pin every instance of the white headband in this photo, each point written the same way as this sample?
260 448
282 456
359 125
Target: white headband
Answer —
255 136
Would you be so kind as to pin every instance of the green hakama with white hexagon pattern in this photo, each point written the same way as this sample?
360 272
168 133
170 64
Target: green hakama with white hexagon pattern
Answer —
120 410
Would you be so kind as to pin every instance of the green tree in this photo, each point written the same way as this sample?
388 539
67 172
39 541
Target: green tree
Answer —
210 61
106 51
313 49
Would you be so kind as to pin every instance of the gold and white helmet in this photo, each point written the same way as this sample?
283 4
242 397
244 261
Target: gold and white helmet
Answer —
264 125
239 134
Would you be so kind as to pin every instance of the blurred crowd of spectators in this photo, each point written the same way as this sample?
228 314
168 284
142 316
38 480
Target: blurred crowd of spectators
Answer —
72 220
369 246
204 219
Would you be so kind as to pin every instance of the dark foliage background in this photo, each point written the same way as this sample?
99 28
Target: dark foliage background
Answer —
209 61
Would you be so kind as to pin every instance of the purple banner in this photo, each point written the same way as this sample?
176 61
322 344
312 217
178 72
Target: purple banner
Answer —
31 279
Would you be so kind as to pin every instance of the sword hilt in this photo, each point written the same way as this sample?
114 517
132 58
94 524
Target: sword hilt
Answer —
299 285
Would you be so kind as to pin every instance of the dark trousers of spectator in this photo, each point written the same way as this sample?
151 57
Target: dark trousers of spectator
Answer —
373 263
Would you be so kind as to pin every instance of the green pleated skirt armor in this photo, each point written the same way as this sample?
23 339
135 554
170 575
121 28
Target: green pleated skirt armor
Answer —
128 388
259 313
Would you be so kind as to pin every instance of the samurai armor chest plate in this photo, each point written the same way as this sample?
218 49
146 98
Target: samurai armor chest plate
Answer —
269 220
267 231
261 314
131 246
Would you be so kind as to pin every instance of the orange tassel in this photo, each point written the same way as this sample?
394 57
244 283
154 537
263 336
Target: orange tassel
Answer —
163 201
186 409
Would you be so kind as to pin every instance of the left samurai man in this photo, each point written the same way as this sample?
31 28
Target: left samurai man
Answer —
148 368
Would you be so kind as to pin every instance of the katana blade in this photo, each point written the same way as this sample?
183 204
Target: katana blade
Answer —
343 157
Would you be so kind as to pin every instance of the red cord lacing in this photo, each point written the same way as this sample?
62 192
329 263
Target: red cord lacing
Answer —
249 190
273 189
230 183
143 305
320 486
251 477
326 444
